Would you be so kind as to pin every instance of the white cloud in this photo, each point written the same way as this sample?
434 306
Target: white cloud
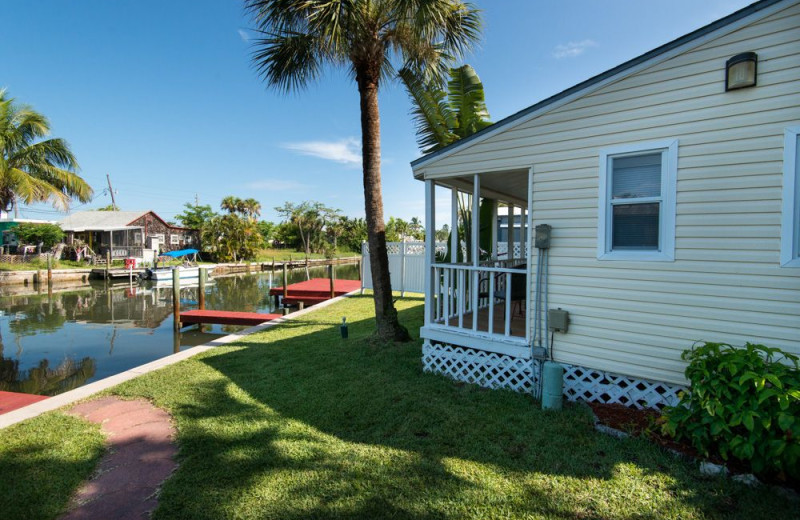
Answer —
346 151
275 185
572 49
244 36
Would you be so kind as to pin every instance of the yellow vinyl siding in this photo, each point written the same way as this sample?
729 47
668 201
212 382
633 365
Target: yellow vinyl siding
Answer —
726 284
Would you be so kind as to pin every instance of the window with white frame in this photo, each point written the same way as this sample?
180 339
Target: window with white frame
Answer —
174 239
790 221
636 218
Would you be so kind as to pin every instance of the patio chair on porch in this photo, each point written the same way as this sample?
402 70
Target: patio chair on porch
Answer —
518 289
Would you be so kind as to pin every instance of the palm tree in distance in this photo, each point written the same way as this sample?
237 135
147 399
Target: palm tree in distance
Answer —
32 168
367 38
251 208
231 204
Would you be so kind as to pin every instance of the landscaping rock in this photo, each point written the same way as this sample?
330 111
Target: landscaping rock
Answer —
713 470
747 478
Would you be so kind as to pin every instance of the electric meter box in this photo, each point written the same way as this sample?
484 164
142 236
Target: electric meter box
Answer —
542 236
558 320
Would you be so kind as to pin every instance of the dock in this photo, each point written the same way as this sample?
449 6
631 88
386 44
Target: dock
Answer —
10 401
308 293
226 317
313 291
116 274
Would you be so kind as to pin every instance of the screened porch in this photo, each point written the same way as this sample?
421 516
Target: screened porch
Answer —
479 290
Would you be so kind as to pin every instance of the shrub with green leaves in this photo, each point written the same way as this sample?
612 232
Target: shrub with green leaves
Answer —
743 403
46 234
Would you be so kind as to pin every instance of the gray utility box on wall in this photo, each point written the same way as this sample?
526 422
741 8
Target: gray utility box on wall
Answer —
558 320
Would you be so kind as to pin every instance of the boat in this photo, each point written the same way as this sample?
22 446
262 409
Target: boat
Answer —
187 270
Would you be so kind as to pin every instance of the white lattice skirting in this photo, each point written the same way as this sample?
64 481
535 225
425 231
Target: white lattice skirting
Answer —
485 369
491 370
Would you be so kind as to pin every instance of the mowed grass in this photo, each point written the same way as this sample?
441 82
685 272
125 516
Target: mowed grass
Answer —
296 423
43 461
279 255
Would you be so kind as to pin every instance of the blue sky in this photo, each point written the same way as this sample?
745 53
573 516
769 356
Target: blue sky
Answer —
163 97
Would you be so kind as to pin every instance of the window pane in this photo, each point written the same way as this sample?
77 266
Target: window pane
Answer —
635 226
637 176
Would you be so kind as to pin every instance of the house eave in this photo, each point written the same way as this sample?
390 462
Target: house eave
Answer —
693 39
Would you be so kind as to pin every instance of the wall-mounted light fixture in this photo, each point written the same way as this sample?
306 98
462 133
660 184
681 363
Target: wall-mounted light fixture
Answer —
740 71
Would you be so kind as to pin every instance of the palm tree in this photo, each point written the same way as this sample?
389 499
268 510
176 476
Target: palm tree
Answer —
443 117
32 168
366 37
231 204
415 227
251 208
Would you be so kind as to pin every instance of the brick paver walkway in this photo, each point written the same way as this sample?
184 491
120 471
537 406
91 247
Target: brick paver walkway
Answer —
140 457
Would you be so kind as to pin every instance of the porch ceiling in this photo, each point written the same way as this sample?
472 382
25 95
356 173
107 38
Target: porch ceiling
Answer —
509 186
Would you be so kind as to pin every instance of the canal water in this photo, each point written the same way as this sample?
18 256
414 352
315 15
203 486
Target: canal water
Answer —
51 342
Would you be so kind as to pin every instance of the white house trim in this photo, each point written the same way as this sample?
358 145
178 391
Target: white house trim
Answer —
522 118
790 234
669 175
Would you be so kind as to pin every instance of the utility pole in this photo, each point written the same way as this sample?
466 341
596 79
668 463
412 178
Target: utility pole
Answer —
196 200
111 191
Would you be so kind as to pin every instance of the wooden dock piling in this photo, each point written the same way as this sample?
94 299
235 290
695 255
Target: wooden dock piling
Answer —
201 290
285 282
176 298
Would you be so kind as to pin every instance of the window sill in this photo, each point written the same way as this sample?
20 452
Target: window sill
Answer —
637 256
792 263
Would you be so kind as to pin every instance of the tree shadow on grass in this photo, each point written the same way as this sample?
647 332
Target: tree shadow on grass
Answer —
39 473
314 426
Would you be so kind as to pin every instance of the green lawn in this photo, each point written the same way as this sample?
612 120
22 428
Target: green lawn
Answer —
297 423
267 255
42 461
42 264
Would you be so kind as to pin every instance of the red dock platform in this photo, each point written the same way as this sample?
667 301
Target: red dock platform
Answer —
315 290
226 317
12 400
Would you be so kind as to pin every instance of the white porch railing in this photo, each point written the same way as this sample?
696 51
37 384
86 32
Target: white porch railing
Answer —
467 296
407 263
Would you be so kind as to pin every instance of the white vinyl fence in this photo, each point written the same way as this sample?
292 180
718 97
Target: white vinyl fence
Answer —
407 264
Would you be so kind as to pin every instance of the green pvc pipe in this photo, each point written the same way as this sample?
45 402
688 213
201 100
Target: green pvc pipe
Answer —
552 385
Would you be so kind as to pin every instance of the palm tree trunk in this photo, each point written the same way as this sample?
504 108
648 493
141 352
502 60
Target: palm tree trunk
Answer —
388 326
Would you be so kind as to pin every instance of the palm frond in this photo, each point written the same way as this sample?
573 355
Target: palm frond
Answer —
52 151
43 171
433 118
287 61
466 99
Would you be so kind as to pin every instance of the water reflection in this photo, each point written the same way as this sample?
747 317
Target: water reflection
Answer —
58 340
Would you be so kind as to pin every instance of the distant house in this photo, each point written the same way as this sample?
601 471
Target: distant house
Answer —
127 233
672 187
8 238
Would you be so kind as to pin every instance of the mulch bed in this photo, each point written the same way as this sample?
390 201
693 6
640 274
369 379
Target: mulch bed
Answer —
645 423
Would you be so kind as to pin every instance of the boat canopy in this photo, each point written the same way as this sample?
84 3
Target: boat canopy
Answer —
181 252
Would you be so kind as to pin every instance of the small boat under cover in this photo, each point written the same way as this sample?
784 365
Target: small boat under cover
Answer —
187 270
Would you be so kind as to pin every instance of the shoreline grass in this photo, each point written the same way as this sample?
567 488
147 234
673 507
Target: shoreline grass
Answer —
279 255
294 422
